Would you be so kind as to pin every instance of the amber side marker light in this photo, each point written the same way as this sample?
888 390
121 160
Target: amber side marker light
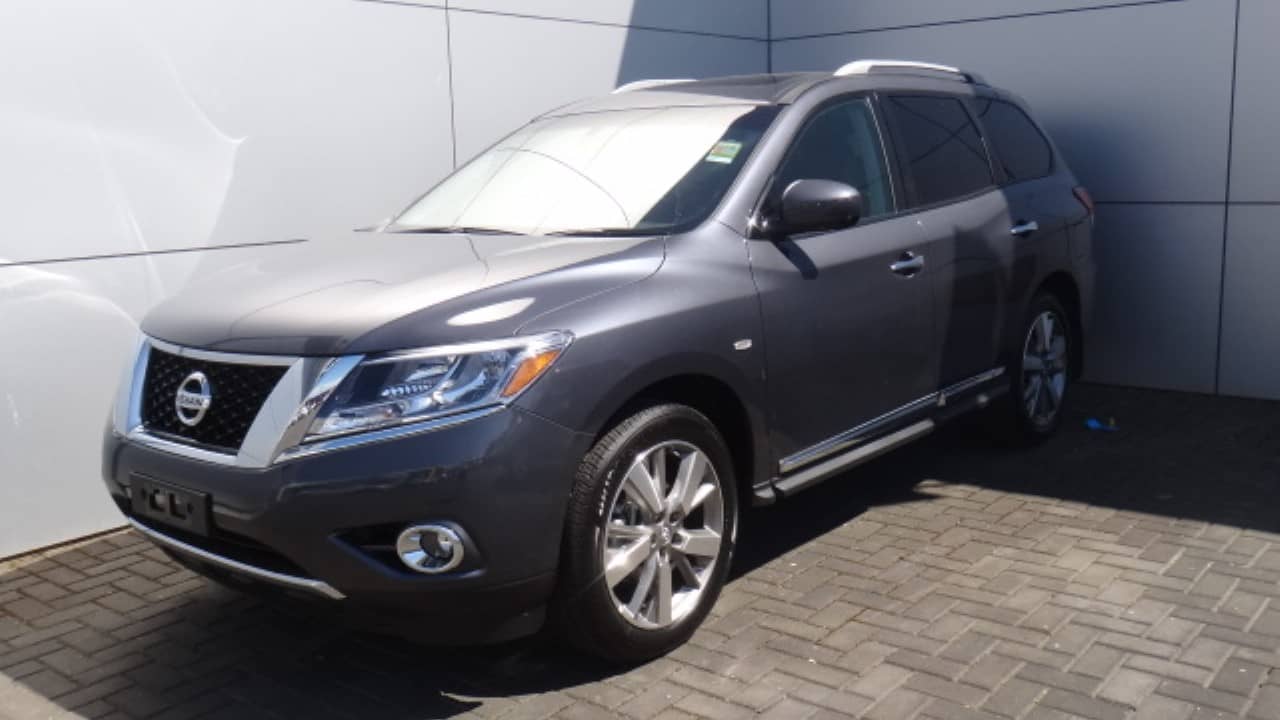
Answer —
529 370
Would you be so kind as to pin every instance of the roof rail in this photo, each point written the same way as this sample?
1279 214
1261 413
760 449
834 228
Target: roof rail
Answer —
645 84
865 67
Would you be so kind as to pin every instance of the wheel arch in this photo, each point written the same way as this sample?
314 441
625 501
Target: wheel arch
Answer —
1063 286
711 394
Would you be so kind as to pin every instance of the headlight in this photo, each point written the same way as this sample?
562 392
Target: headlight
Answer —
416 385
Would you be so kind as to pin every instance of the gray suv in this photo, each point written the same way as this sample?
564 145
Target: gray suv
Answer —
545 391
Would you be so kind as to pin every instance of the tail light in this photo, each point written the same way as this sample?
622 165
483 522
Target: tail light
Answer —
1085 199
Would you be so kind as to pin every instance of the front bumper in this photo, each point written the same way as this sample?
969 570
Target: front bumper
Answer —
320 526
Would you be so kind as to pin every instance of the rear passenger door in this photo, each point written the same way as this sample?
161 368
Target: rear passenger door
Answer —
1041 200
951 186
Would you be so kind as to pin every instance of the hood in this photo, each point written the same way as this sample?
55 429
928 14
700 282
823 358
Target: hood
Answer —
371 291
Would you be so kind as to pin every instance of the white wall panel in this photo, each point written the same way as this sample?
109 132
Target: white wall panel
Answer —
1251 304
69 329
1159 276
1255 162
1140 111
133 125
137 126
745 18
507 70
809 17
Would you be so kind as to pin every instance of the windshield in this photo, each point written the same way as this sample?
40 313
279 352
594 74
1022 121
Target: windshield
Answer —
640 171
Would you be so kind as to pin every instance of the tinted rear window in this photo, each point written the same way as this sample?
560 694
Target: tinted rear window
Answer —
1020 149
939 148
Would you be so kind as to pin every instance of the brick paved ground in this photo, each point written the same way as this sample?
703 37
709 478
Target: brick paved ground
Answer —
1132 574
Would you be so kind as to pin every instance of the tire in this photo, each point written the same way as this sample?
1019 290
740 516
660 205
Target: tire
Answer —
610 515
1041 378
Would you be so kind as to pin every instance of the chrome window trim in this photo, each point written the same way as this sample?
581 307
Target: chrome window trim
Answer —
312 585
861 433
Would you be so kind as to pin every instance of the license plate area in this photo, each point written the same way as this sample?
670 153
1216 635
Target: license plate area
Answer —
169 504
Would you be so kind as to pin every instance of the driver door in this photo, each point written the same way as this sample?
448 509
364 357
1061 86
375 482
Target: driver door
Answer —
848 315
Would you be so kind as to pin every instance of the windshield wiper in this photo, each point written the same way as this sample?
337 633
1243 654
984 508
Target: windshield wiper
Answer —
452 229
604 232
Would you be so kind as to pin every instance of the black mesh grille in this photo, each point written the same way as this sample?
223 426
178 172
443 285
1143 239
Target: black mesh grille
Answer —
238 393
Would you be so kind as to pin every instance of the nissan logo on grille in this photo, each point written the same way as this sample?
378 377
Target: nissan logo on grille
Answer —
193 399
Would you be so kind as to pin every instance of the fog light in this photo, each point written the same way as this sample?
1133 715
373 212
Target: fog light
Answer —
429 549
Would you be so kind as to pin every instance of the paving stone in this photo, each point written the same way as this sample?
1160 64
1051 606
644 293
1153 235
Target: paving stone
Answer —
1205 652
1201 696
1128 687
1042 675
964 695
901 703
1266 706
1158 707
1169 669
1012 698
1239 677
990 671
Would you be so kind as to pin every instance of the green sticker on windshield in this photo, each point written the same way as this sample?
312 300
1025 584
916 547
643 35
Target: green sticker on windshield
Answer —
724 152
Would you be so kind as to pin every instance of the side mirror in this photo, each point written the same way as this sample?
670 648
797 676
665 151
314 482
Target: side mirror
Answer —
819 205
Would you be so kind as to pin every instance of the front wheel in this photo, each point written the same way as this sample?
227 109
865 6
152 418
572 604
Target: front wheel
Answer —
1041 375
649 535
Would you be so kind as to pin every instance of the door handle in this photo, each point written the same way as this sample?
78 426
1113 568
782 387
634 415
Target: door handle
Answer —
1024 229
907 265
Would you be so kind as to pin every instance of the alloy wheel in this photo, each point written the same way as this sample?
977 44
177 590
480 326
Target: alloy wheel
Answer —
663 534
1044 368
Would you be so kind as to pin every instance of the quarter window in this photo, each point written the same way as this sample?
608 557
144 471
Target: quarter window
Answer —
841 143
939 148
1023 153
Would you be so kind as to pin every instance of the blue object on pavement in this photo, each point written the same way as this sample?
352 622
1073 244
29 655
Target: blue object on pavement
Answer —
1096 424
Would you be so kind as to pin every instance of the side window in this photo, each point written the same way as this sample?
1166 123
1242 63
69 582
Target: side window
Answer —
841 143
1021 150
939 148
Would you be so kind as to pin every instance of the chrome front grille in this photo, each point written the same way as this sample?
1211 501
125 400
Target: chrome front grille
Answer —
238 392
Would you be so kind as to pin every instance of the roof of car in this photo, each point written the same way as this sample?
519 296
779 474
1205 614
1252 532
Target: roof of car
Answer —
760 89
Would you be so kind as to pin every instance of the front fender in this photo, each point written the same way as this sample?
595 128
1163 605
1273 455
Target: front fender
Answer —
697 317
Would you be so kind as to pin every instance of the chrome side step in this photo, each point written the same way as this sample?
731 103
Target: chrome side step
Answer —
823 470
858 435
318 587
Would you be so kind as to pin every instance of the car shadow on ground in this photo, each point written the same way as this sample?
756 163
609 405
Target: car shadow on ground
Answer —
209 649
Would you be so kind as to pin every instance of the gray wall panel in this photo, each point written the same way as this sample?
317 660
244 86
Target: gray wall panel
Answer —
1159 276
1140 113
720 17
507 70
1255 162
811 17
1251 304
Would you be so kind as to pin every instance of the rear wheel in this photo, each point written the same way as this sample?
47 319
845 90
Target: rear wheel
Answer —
649 535
1041 378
